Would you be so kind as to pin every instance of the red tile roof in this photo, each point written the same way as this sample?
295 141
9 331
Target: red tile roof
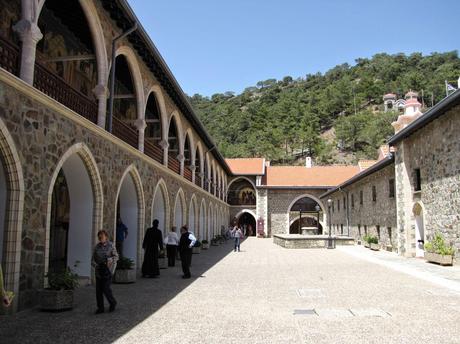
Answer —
246 166
314 176
363 164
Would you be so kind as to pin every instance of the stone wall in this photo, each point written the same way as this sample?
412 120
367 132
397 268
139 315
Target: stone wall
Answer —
43 131
434 149
372 217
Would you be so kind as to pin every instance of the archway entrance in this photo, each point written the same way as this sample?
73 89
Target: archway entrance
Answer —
419 231
247 223
305 217
179 212
159 209
71 219
128 212
3 198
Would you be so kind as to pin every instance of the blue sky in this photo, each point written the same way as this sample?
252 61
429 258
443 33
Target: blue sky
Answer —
214 46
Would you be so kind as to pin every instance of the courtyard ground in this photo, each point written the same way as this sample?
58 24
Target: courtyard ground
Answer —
266 294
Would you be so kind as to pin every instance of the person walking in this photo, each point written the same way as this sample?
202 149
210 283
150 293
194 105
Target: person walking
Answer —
237 234
152 244
172 240
104 260
122 233
186 243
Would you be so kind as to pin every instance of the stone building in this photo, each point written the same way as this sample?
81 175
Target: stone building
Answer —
80 148
65 175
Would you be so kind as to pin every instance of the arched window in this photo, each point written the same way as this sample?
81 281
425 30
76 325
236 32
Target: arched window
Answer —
198 161
241 192
206 174
124 103
187 159
66 66
173 148
153 132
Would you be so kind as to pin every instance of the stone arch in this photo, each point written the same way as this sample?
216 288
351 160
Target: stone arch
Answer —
136 75
203 222
191 137
12 210
193 217
132 212
322 223
180 209
316 199
158 93
419 230
160 206
180 135
78 154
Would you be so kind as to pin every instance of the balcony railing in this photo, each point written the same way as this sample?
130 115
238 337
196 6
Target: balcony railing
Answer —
153 151
9 56
56 87
174 165
197 181
188 173
125 132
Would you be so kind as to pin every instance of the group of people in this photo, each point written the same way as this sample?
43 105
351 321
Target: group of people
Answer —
106 255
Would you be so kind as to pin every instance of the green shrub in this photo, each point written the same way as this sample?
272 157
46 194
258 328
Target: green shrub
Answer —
197 244
125 264
370 239
62 280
205 242
439 246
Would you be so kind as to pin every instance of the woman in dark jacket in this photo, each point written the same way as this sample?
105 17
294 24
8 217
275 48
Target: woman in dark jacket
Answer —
153 243
105 259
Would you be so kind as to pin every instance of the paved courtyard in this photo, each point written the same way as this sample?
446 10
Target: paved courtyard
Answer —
266 294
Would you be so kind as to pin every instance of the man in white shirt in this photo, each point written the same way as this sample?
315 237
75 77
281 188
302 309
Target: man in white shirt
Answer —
172 241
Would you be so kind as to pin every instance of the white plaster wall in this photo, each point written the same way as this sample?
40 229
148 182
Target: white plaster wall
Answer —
203 224
129 211
159 211
81 216
191 219
178 215
3 195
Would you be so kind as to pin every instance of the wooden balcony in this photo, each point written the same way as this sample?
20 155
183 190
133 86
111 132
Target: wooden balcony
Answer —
125 132
9 56
154 151
174 165
188 173
197 181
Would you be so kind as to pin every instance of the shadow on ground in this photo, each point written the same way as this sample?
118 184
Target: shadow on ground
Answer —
136 302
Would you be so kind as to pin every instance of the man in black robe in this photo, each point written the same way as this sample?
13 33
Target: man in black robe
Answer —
186 243
152 244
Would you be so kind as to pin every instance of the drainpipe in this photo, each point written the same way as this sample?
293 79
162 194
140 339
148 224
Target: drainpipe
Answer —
112 74
348 210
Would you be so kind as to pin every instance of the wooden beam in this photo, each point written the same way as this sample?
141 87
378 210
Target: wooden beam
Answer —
72 58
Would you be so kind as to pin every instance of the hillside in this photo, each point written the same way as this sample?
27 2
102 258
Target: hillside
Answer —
336 116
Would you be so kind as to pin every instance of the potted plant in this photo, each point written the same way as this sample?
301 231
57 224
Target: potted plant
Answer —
366 241
436 251
220 239
58 296
162 261
214 242
374 243
205 244
125 272
197 247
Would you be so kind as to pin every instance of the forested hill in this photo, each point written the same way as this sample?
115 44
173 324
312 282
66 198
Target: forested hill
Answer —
336 116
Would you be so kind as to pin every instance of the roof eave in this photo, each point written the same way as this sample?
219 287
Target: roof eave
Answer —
368 171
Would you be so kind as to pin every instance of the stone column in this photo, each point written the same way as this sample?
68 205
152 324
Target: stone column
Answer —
181 159
262 208
141 125
164 145
101 92
193 168
29 34
200 175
